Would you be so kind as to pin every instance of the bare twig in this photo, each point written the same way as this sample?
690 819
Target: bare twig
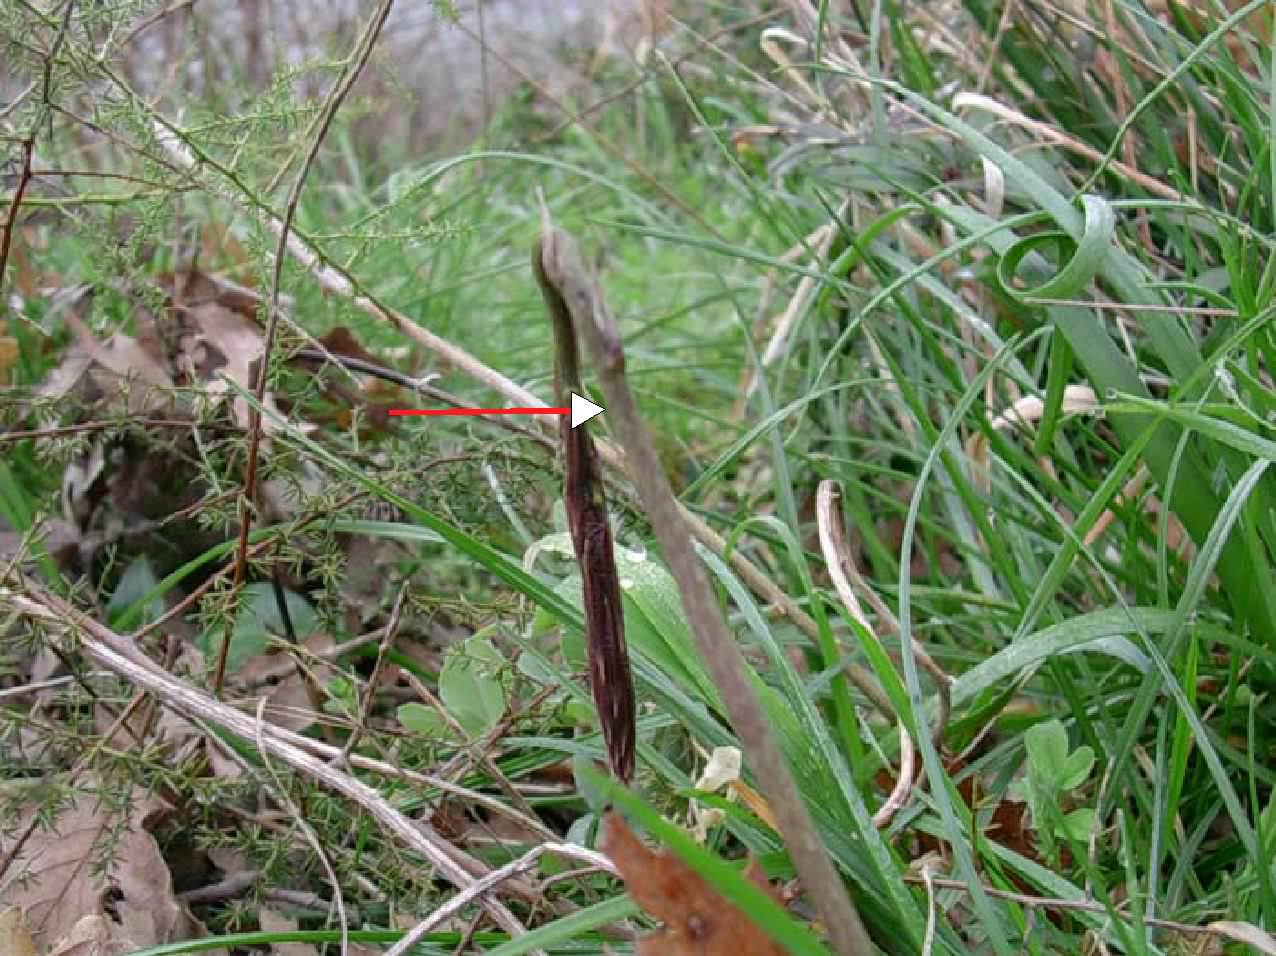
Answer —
370 691
578 294
146 23
299 820
476 750
352 364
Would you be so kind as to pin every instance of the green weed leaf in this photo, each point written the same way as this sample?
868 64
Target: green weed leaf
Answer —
470 685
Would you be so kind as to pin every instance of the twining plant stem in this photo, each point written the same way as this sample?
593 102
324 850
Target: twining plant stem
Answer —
576 302
583 497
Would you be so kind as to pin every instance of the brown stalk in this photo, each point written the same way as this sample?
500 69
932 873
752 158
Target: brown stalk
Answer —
586 504
574 297
27 143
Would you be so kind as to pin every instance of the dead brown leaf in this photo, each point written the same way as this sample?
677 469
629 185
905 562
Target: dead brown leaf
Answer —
15 935
274 922
57 878
697 920
90 936
8 353
220 345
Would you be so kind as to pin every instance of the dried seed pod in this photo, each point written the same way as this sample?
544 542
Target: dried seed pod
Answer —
609 676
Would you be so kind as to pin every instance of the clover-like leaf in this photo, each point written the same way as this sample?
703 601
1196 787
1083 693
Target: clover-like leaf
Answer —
1076 768
1047 747
470 685
1077 824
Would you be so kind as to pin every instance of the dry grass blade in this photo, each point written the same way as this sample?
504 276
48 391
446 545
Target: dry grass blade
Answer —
593 322
837 557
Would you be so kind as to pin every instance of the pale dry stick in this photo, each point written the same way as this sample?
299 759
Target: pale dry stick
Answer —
842 570
424 780
332 103
19 98
335 281
837 555
770 45
1059 138
770 278
570 289
115 653
329 753
928 877
569 851
897 799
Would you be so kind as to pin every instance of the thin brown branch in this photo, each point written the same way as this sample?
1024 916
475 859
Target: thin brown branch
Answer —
28 142
332 104
370 691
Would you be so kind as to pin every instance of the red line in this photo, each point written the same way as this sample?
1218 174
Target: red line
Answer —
481 411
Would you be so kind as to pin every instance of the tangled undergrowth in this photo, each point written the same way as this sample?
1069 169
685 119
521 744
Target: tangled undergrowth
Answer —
951 327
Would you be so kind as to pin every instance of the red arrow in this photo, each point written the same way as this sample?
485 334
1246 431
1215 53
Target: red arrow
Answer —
581 411
540 410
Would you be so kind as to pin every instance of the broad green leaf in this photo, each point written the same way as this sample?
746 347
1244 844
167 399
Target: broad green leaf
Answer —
1077 824
258 623
1076 767
470 685
420 719
654 626
137 582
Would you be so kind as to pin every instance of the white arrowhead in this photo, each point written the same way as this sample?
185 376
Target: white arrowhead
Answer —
583 410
